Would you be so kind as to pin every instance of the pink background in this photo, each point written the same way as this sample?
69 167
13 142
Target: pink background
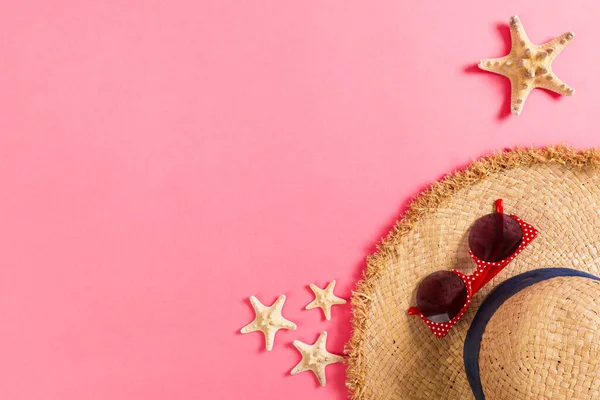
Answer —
161 161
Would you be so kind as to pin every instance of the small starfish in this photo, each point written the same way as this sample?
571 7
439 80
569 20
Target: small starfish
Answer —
325 299
315 358
528 65
268 320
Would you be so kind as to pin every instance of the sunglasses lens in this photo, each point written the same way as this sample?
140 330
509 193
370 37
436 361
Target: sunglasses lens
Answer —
441 296
495 237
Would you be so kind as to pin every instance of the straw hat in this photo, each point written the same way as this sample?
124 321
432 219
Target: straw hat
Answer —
533 332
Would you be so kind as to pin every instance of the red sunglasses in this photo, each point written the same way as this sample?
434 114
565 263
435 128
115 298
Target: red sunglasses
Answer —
494 241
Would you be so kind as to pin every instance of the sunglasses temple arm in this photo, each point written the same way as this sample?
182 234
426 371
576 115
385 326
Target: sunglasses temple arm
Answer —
414 311
499 206
484 279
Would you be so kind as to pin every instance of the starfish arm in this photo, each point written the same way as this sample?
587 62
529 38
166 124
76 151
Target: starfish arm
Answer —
334 358
287 324
322 341
316 290
269 337
278 305
298 368
518 36
338 300
518 94
330 288
311 305
327 311
558 86
555 46
249 328
302 347
319 371
256 304
495 65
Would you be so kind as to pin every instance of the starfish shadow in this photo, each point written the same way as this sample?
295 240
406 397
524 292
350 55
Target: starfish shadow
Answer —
502 83
553 95
504 31
289 345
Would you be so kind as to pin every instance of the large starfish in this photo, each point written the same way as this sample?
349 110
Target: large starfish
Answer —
315 358
528 65
268 320
325 299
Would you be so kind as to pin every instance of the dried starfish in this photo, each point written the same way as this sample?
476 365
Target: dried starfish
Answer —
315 358
528 65
268 320
325 299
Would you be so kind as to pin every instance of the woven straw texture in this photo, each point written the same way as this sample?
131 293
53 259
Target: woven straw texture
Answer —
395 356
543 343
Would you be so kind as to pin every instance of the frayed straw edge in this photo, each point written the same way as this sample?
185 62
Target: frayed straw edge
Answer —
428 201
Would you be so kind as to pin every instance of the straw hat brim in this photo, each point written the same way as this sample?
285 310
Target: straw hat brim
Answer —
395 356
